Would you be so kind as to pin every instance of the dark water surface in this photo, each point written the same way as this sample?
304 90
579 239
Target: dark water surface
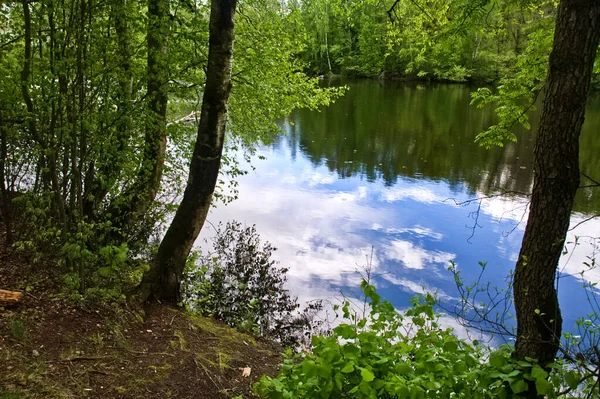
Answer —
390 166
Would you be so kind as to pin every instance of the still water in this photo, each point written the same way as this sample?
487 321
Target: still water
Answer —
387 171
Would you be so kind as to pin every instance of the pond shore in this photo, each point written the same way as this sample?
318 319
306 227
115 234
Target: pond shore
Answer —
53 348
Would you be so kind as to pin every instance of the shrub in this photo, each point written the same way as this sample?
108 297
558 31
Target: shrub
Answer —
409 355
240 283
91 266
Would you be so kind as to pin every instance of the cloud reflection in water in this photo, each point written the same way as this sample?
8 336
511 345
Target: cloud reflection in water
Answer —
324 207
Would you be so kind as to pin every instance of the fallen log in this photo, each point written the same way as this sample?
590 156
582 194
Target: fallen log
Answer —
9 298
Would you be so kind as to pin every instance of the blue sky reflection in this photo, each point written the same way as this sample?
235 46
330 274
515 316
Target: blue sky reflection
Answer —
324 227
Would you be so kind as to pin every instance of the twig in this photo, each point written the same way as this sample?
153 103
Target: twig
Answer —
76 358
100 372
584 221
207 374
596 182
152 353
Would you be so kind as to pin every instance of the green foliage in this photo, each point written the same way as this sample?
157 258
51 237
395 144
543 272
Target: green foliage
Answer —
408 354
91 271
240 283
447 40
74 116
17 328
268 82
518 92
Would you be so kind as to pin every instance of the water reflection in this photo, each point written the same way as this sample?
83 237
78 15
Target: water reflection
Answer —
383 131
390 167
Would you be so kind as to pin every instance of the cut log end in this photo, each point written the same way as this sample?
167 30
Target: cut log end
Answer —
10 298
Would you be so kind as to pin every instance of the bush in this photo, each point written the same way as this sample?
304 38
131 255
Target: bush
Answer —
92 268
408 355
240 284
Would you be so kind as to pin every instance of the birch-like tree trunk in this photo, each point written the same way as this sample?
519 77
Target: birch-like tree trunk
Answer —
163 282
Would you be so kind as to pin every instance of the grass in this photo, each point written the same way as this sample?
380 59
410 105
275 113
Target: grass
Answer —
4 394
17 328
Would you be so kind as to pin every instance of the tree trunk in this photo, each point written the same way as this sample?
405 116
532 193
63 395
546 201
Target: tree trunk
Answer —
5 200
164 280
97 187
556 169
135 202
51 173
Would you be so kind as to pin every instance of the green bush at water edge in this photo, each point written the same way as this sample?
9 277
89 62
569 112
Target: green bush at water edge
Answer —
409 355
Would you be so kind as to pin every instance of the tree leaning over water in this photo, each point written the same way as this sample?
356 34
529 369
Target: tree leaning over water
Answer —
556 168
163 282
90 91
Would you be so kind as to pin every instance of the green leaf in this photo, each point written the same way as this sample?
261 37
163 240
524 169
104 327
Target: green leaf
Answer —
346 331
538 373
339 379
518 386
419 321
348 368
403 368
309 368
497 360
542 386
367 375
572 379
451 345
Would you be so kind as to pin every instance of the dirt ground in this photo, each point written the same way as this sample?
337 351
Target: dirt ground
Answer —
50 348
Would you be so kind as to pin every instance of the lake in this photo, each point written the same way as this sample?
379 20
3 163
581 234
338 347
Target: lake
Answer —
388 170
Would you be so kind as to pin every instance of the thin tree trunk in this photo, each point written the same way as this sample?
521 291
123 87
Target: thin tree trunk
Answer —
52 174
327 41
81 150
135 202
97 187
327 51
26 72
163 282
556 169
158 77
5 200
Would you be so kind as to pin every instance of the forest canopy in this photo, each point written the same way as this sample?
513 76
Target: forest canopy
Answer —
448 40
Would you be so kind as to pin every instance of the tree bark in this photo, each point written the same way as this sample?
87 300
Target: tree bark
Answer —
556 169
163 282
135 202
5 200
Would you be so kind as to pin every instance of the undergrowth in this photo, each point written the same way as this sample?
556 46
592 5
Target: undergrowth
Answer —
239 282
391 354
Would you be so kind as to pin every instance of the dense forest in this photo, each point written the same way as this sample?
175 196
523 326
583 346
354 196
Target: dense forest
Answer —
118 124
444 40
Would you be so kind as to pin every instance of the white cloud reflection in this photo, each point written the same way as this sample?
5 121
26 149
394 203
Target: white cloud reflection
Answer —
324 228
581 245
314 231
415 257
418 231
415 287
419 194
